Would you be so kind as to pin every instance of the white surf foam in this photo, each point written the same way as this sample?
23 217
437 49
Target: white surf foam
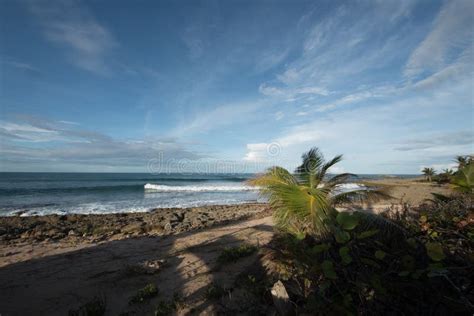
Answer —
348 187
111 208
196 188
351 186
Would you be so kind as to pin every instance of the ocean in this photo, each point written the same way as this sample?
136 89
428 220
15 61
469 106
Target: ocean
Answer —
99 193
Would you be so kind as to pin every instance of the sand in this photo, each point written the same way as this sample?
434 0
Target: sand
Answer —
53 281
410 191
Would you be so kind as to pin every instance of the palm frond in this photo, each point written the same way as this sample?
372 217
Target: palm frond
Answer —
439 198
274 175
359 196
292 202
324 168
339 179
312 162
463 180
390 231
305 201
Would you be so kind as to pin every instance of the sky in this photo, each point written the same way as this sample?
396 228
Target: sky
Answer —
235 86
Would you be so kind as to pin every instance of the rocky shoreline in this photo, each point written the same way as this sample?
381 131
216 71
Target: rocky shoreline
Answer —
77 228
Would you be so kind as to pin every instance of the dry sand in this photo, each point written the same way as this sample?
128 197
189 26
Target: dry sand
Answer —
410 191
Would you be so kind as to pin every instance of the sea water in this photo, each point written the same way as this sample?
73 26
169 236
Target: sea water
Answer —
98 193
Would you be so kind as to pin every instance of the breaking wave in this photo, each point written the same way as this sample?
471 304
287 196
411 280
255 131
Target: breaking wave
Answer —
198 188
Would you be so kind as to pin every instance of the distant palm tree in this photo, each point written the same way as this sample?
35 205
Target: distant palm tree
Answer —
429 173
448 172
306 201
461 160
464 160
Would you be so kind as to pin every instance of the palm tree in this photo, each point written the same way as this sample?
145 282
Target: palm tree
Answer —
306 200
461 160
463 180
448 172
429 173
464 160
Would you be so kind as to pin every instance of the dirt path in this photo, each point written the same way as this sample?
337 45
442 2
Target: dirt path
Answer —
49 280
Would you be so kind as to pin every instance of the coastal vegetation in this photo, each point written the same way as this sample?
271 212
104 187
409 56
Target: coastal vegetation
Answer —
461 180
406 261
306 201
144 294
165 308
464 160
429 173
232 254
95 307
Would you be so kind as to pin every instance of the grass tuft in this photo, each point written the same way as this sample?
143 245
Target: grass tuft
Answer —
214 292
95 307
145 293
231 255
165 308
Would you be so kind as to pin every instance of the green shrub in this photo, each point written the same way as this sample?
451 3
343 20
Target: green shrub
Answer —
145 293
165 308
215 291
95 307
231 255
360 271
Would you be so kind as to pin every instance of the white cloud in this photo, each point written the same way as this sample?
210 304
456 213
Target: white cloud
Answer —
279 115
328 50
291 95
20 65
289 76
451 31
346 71
313 90
27 132
219 116
66 144
341 48
460 69
69 122
269 90
374 142
356 97
23 128
438 140
275 152
257 152
71 25
271 59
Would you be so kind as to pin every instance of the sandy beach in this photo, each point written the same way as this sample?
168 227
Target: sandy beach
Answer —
58 263
413 191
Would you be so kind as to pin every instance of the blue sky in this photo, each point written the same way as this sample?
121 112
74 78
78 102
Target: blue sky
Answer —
234 85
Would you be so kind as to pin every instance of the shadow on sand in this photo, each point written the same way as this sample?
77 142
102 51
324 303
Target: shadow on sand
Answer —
56 284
